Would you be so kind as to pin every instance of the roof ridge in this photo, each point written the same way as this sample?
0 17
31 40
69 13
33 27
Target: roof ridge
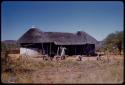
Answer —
35 35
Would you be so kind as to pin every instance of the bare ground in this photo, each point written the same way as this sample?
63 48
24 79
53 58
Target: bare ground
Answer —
89 70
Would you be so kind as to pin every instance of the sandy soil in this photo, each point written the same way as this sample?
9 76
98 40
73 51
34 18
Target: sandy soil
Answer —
89 70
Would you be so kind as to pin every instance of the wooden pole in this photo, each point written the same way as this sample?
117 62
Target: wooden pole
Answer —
43 49
50 49
58 51
75 50
47 49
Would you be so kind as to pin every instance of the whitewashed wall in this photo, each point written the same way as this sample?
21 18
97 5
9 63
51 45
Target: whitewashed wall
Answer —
29 51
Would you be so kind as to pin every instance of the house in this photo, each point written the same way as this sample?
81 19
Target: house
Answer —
35 41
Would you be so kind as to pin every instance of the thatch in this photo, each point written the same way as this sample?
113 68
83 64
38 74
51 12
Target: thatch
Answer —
35 35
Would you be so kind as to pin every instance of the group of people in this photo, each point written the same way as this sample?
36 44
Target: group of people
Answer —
61 55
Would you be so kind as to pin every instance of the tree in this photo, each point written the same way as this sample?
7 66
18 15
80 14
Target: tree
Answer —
114 41
3 46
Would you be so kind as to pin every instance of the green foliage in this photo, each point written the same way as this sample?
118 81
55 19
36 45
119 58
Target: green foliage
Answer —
114 41
3 46
6 47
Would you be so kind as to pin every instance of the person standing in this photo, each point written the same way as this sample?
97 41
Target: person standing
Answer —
63 52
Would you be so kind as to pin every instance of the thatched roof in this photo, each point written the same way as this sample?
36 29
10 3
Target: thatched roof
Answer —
35 35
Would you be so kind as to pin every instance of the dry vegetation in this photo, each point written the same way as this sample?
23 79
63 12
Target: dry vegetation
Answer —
35 70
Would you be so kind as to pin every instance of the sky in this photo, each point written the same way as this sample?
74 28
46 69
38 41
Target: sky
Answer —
97 18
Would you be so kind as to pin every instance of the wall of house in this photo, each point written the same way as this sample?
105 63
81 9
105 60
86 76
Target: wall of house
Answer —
90 49
29 51
86 49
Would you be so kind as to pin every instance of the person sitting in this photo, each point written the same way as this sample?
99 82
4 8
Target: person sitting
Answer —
79 58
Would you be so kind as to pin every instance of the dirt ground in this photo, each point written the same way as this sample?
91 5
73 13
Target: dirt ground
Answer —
69 71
